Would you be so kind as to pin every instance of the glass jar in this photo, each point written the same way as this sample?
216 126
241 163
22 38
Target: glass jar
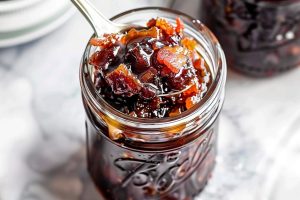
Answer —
169 158
259 37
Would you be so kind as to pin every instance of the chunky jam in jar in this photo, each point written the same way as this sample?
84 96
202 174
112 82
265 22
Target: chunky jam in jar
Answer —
152 97
259 37
154 72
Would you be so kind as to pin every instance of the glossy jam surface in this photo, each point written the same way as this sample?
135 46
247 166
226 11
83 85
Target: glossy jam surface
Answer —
154 72
260 37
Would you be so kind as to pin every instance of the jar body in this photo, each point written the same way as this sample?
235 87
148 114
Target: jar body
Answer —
166 158
131 174
260 38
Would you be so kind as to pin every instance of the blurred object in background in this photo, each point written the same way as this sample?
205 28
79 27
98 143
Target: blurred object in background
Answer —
260 38
191 7
283 177
25 20
110 9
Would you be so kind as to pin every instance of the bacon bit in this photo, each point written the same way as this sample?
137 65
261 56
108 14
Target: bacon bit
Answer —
201 65
179 26
197 64
103 58
93 60
107 40
189 43
133 34
193 90
173 57
193 100
189 103
151 23
165 26
123 81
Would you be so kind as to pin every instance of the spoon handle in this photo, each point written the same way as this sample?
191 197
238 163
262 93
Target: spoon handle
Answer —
99 23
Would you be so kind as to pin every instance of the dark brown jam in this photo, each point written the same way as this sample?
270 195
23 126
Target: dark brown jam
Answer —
259 37
150 73
177 173
156 72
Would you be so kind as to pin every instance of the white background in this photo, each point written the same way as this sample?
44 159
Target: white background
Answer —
42 123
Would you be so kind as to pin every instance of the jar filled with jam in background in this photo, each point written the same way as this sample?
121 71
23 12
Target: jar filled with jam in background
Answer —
134 158
259 37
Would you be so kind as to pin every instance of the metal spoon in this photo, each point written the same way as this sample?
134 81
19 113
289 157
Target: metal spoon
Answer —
100 24
97 20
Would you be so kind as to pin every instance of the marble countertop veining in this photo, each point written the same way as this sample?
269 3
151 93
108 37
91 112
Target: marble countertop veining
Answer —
42 144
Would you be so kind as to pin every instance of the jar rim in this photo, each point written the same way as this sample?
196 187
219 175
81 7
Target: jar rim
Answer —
187 116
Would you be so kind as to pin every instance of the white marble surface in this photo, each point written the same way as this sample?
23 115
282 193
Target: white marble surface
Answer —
42 144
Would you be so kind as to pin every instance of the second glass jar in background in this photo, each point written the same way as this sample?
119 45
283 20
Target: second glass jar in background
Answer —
259 37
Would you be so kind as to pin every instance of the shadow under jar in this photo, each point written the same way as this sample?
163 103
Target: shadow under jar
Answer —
167 158
259 37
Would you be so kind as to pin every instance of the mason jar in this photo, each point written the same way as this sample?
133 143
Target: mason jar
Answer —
168 158
259 37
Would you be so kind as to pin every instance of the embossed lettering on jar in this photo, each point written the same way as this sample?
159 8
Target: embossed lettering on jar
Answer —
259 37
166 158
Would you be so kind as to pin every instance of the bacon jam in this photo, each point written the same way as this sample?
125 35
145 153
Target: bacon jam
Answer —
154 72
